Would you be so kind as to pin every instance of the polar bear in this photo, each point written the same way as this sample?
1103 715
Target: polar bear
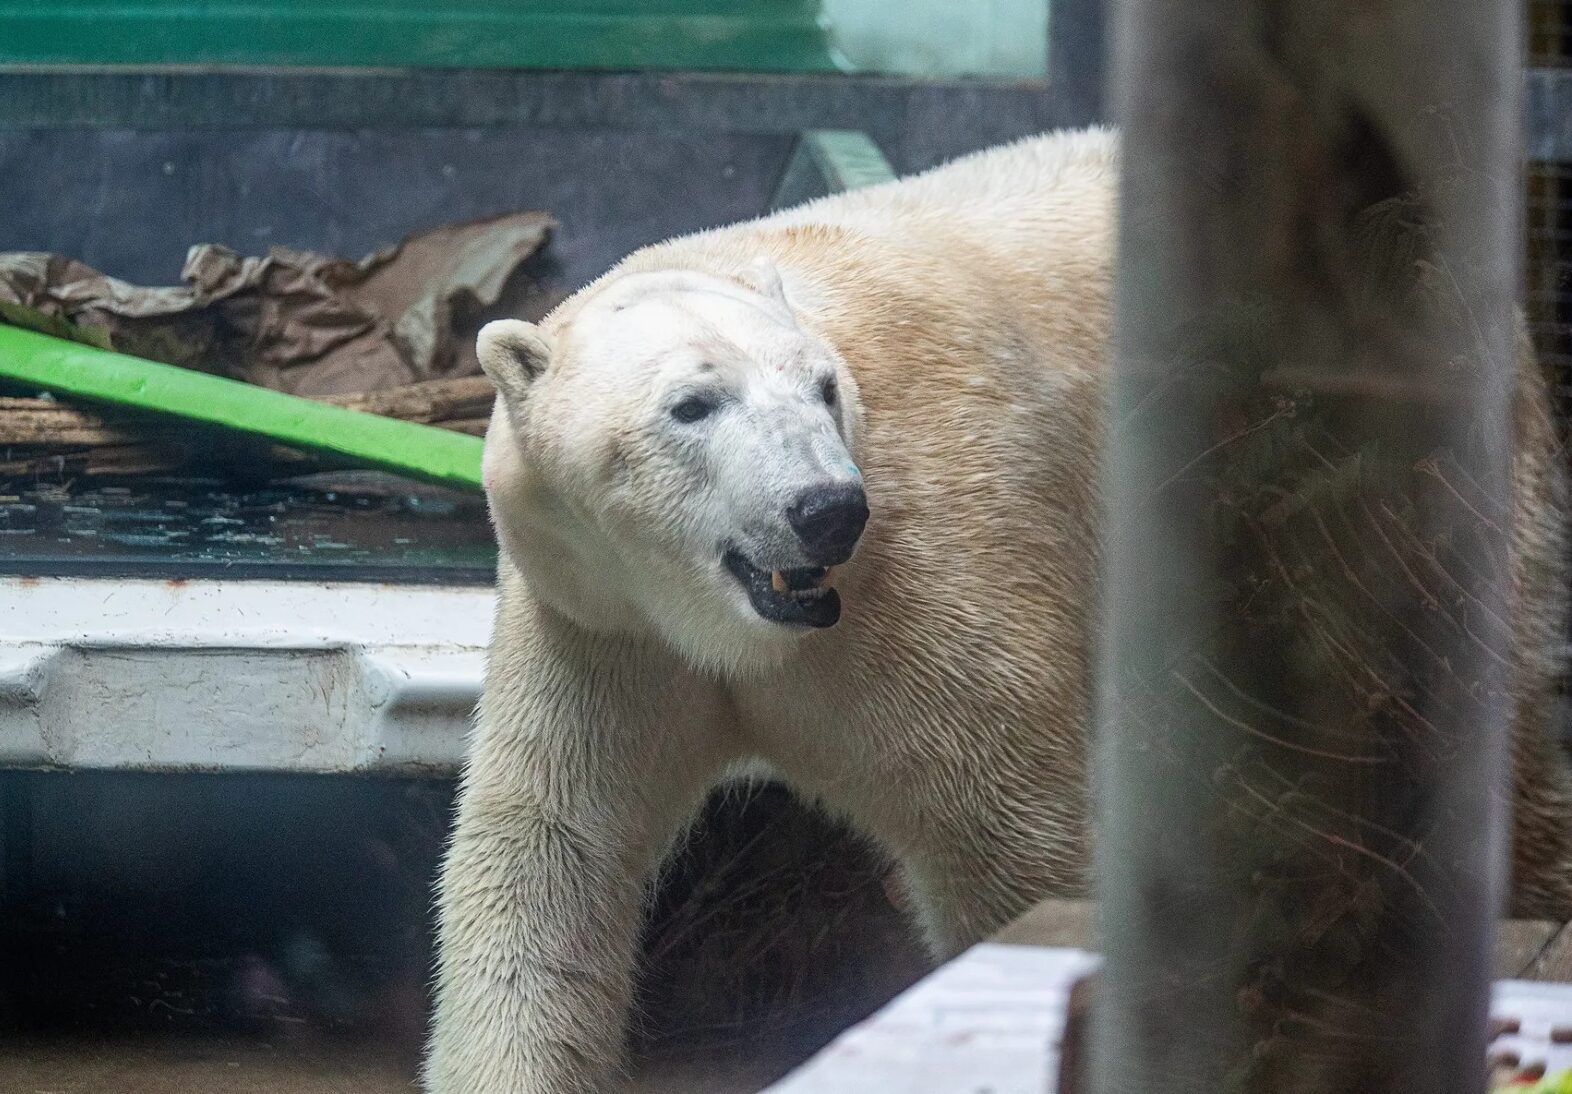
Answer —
816 491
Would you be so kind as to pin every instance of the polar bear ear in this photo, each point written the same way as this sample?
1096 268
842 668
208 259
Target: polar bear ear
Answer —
513 353
762 276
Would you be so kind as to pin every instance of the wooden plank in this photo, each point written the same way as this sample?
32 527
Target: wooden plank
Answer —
1065 923
1554 959
990 1020
429 401
1520 948
1013 1014
44 422
1524 949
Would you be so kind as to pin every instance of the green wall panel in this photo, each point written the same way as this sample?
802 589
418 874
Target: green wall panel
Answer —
914 37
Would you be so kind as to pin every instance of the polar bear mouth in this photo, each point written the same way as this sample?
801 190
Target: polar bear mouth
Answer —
799 597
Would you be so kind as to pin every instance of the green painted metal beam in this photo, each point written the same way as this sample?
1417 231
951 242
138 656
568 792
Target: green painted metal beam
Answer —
86 372
831 161
848 158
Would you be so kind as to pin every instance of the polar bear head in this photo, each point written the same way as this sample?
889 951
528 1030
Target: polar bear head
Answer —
675 452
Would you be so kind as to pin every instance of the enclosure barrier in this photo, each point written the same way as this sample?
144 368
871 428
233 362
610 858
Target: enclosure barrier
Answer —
1303 688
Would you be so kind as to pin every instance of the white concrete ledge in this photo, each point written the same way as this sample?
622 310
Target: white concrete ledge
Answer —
218 676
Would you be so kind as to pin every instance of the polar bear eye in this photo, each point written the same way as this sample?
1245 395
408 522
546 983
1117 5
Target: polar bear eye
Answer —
829 391
693 408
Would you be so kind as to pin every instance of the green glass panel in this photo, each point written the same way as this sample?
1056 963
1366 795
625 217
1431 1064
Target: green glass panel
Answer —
916 37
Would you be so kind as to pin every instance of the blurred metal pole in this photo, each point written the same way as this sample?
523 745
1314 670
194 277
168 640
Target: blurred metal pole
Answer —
1303 714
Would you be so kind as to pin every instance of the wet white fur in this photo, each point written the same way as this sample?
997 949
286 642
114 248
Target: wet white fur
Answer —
964 313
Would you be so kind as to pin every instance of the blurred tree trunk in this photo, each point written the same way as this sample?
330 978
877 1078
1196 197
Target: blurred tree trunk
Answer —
1304 691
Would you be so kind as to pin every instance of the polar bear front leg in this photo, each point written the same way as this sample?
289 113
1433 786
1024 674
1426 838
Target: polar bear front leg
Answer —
973 873
590 754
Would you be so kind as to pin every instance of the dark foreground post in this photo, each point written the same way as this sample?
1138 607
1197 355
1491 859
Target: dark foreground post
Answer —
1303 715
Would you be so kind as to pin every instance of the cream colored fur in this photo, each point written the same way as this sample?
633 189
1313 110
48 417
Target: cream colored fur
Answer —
967 311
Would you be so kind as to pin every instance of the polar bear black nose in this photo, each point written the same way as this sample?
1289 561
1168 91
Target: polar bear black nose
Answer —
828 520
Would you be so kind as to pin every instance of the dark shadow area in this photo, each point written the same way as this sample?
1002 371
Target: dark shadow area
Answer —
166 932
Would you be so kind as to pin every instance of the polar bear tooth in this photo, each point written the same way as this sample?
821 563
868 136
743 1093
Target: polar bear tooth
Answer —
827 579
778 581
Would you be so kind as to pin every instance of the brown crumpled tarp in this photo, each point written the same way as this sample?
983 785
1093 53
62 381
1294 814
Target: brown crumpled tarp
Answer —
299 322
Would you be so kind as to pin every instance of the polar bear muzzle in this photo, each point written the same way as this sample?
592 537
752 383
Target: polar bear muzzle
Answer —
801 597
827 520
